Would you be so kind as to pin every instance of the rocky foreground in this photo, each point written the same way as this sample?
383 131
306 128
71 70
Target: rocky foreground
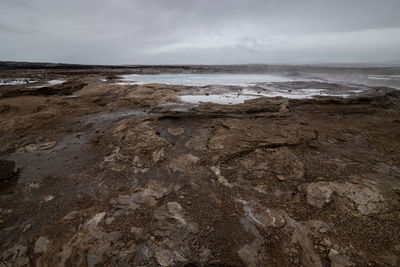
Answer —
99 174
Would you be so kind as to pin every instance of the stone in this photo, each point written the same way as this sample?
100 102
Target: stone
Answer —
148 195
140 233
319 194
326 242
248 255
339 260
176 131
115 161
176 211
158 155
281 177
323 230
71 215
41 245
191 158
26 227
297 198
143 254
33 185
110 220
366 199
301 237
174 230
265 217
39 147
88 246
94 221
318 226
93 259
48 198
167 257
221 178
164 257
139 139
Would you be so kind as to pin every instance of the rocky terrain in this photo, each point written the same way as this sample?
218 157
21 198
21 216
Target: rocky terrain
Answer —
94 173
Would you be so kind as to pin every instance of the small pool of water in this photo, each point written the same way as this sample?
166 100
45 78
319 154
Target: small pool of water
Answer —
246 94
54 82
205 79
17 81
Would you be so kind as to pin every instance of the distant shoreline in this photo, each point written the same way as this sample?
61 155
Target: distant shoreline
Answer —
256 66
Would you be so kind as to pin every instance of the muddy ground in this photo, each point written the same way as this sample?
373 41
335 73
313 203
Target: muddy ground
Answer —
99 174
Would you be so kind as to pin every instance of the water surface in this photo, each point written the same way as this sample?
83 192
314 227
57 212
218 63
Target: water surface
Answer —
206 79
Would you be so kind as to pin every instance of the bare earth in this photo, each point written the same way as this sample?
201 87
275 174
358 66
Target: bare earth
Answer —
127 175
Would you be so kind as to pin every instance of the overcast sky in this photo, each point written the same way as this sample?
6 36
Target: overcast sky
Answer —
200 31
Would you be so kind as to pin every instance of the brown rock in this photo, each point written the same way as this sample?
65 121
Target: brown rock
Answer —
319 194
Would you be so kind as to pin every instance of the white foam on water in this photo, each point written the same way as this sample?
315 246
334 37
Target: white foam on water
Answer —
17 81
223 99
294 94
125 83
246 94
383 77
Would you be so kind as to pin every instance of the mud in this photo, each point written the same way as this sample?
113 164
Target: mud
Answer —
108 174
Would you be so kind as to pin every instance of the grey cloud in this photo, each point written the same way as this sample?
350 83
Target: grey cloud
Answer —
208 31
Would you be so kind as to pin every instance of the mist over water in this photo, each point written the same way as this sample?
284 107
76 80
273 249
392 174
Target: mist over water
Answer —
235 88
240 79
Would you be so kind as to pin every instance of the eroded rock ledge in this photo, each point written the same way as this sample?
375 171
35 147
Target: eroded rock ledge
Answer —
129 176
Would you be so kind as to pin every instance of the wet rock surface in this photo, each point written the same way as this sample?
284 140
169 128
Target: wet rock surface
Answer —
7 169
127 175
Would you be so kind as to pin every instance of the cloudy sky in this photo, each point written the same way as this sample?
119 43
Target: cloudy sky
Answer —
200 31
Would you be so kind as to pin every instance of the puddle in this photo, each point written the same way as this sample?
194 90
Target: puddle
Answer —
71 154
68 157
